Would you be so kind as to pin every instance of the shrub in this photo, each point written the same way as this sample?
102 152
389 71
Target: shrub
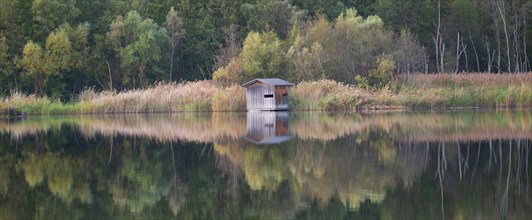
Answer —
382 75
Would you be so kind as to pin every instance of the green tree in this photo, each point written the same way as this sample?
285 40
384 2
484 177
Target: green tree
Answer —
202 21
359 42
262 56
32 58
53 13
174 26
409 55
76 67
330 9
351 45
418 16
277 16
6 64
16 24
59 56
79 39
138 42
382 75
307 62
467 22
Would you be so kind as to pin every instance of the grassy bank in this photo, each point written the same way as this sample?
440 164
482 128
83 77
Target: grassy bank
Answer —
328 95
189 96
408 91
419 91
461 90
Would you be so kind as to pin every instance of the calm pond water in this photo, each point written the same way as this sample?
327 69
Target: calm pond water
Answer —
460 164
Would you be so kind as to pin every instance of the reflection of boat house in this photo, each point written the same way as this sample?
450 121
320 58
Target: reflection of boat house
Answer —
267 127
267 94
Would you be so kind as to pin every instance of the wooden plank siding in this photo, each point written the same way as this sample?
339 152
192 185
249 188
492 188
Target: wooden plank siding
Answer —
267 94
257 97
281 97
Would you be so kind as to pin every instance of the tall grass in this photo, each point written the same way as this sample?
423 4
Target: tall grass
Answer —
462 90
163 97
20 103
187 96
407 91
326 95
230 99
464 79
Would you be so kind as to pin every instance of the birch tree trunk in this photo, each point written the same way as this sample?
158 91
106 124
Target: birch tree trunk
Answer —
500 6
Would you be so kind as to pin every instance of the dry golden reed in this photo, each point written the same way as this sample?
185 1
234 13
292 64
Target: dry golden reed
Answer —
462 90
326 95
412 91
163 97
466 79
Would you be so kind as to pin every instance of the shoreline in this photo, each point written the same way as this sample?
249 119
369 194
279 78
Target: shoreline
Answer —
364 111
418 92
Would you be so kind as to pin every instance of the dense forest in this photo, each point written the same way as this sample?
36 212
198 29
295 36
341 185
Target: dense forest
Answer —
61 47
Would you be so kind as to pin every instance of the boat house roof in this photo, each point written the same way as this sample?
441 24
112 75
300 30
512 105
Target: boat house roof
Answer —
269 81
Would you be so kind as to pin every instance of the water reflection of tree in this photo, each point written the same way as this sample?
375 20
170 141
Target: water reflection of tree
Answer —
492 182
65 176
354 168
76 176
139 182
370 172
8 162
354 174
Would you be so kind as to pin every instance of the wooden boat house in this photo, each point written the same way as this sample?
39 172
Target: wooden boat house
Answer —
267 94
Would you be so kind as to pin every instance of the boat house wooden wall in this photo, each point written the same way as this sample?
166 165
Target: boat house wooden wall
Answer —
267 94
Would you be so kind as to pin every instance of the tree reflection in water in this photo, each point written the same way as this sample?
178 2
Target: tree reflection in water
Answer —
401 165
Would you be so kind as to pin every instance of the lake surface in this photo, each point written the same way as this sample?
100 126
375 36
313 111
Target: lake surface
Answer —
454 165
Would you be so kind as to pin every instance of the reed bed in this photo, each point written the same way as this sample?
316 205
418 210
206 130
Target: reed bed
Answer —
231 98
163 97
413 91
461 90
465 79
326 95
199 96
188 96
19 103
